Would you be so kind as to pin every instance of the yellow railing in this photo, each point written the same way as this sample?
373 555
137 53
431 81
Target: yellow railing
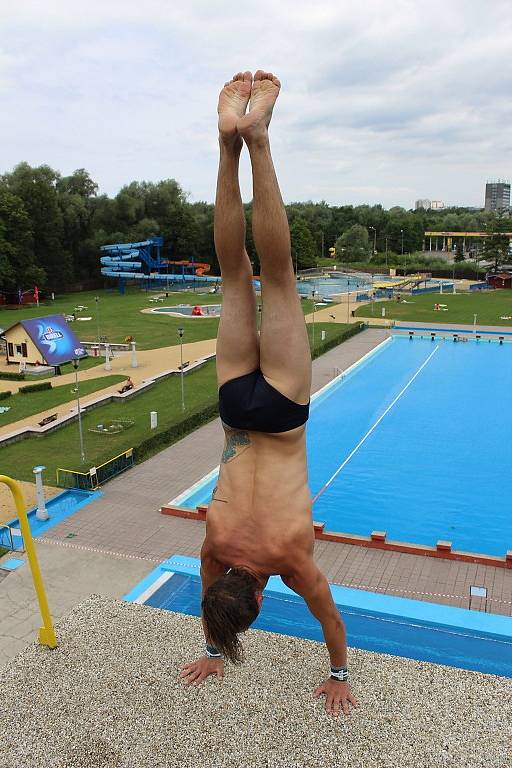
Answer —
46 632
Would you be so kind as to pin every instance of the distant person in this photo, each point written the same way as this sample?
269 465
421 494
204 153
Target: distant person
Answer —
259 522
127 386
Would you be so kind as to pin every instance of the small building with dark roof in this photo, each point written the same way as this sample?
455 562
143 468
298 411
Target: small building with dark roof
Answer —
500 280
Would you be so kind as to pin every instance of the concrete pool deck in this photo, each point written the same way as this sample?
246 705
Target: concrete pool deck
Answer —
109 696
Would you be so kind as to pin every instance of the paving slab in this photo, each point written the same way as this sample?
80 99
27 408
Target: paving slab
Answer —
110 697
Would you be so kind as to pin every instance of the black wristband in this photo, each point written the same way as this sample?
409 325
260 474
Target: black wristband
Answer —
212 652
340 674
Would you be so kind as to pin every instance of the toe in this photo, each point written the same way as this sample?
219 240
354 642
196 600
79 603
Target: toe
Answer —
238 76
259 75
248 76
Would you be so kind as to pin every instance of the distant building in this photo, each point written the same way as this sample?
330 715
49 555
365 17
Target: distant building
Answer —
497 195
500 280
422 203
437 205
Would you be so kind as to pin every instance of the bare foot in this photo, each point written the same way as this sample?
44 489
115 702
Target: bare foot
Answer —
265 90
233 100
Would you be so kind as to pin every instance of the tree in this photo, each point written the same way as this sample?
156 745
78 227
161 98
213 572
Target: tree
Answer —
303 245
18 267
37 189
459 254
353 245
497 244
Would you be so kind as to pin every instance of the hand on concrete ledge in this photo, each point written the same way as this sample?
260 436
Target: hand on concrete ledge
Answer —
336 694
199 670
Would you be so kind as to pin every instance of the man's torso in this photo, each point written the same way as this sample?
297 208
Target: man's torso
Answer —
260 513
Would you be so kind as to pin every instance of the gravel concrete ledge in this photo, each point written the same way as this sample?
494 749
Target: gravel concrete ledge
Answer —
109 697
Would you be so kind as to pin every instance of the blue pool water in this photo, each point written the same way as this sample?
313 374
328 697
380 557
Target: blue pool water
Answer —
59 508
212 310
334 285
371 630
419 440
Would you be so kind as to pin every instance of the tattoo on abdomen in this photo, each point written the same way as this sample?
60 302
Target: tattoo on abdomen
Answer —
234 441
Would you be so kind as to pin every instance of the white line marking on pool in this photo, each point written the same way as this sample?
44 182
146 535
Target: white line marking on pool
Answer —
374 426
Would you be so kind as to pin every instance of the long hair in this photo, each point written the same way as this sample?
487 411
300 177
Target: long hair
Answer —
229 606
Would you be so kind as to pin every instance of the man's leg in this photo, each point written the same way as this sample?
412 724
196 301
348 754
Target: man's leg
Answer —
285 358
237 339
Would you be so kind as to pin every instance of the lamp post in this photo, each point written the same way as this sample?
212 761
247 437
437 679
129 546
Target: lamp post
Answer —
402 233
374 240
181 331
82 450
97 300
313 330
386 252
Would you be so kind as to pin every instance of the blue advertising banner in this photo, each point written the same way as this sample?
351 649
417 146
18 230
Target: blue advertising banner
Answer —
54 339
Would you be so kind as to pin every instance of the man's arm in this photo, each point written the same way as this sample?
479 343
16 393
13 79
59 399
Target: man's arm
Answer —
311 584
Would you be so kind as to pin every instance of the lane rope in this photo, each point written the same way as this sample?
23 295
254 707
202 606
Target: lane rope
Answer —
373 427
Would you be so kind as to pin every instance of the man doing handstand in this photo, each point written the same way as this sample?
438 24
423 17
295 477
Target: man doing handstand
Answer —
259 522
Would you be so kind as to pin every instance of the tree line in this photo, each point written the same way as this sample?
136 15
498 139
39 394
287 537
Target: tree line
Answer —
52 227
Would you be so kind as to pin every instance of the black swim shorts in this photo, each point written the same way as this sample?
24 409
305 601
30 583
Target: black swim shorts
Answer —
249 402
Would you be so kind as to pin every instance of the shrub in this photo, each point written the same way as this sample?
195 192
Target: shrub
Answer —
40 385
12 376
5 395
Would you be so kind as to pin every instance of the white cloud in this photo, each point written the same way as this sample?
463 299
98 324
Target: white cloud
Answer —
380 103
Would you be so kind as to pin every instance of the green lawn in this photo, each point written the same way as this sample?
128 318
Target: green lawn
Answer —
61 448
120 316
330 329
488 307
24 405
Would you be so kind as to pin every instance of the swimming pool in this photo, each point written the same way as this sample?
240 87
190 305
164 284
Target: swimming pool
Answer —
414 442
206 310
331 286
59 508
400 627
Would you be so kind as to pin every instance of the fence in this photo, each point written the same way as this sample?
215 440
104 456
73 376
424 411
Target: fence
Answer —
96 476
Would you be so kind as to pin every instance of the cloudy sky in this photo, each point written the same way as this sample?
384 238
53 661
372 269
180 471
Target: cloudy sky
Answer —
381 102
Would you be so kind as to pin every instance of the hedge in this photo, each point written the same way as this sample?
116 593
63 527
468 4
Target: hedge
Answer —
40 385
4 395
334 341
11 375
166 437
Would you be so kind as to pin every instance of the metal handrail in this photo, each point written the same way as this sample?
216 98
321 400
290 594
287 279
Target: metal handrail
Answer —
46 634
4 525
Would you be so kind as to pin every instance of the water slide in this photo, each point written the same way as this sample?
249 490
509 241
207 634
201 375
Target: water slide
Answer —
143 261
